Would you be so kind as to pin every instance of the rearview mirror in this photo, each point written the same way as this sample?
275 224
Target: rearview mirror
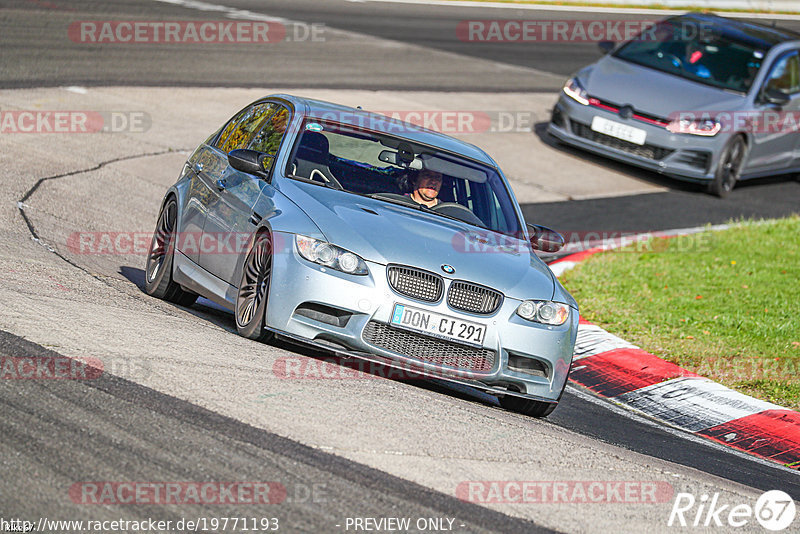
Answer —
606 46
389 156
251 161
544 239
773 96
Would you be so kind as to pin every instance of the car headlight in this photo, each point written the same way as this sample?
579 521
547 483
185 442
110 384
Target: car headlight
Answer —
575 90
329 255
544 311
706 127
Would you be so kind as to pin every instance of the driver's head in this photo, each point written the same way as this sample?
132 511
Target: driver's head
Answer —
428 184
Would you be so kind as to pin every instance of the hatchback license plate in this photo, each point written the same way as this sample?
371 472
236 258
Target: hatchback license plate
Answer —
438 325
619 130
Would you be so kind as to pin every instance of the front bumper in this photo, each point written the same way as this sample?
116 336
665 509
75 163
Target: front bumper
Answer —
686 157
364 302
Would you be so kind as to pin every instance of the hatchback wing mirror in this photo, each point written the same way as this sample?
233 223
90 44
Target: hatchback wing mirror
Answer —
773 96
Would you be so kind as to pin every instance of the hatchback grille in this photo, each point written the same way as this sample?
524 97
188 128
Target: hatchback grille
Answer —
473 298
428 349
415 283
646 151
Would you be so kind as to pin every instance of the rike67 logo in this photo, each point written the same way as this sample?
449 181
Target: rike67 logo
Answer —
774 510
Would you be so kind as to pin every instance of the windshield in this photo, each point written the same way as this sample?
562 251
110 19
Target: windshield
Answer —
697 52
396 170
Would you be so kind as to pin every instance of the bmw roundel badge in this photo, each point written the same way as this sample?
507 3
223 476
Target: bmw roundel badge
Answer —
449 269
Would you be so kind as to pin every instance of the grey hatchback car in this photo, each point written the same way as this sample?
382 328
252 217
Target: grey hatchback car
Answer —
697 97
304 218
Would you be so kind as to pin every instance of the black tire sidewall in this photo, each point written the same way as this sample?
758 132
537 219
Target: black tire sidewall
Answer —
716 186
160 285
255 328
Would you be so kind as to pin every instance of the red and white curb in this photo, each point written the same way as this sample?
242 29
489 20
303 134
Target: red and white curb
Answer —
619 371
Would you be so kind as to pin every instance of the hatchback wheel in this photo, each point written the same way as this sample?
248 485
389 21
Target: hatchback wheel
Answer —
158 280
729 168
251 301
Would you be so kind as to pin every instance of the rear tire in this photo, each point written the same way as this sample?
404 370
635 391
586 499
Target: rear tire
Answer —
158 280
251 300
729 168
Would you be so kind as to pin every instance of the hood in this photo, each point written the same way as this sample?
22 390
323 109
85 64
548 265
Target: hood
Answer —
653 92
384 233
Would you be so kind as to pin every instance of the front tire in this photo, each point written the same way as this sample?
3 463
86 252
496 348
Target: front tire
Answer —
530 407
251 300
158 280
527 407
730 167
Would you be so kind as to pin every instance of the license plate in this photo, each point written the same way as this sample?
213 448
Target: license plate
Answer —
438 325
619 130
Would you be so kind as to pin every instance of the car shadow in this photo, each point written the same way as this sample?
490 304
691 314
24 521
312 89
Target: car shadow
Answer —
351 368
644 175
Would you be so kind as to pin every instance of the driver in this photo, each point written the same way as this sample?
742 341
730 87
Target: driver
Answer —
426 188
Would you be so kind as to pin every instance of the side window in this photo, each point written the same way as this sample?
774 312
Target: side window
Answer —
268 139
229 128
785 74
247 126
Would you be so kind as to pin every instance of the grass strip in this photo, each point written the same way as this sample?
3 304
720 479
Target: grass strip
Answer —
723 304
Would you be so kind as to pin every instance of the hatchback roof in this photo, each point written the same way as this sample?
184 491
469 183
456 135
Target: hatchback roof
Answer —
755 34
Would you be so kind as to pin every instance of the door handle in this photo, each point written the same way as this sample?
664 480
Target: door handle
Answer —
198 167
222 184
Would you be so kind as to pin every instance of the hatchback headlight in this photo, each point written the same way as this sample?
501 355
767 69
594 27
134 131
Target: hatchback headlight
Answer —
575 90
544 311
329 255
705 127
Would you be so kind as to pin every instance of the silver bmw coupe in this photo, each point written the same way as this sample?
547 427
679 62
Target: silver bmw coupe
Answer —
374 239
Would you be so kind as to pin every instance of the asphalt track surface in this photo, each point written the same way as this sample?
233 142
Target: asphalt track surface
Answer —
45 425
73 424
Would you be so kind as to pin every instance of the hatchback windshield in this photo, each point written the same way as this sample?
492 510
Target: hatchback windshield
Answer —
698 52
392 169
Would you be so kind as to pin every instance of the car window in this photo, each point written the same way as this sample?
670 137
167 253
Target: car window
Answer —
785 74
268 138
226 131
249 123
386 167
695 53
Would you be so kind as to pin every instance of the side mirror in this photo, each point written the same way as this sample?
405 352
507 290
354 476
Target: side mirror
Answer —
544 239
606 46
251 162
773 96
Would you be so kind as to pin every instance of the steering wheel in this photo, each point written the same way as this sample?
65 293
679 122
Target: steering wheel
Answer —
672 58
457 211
